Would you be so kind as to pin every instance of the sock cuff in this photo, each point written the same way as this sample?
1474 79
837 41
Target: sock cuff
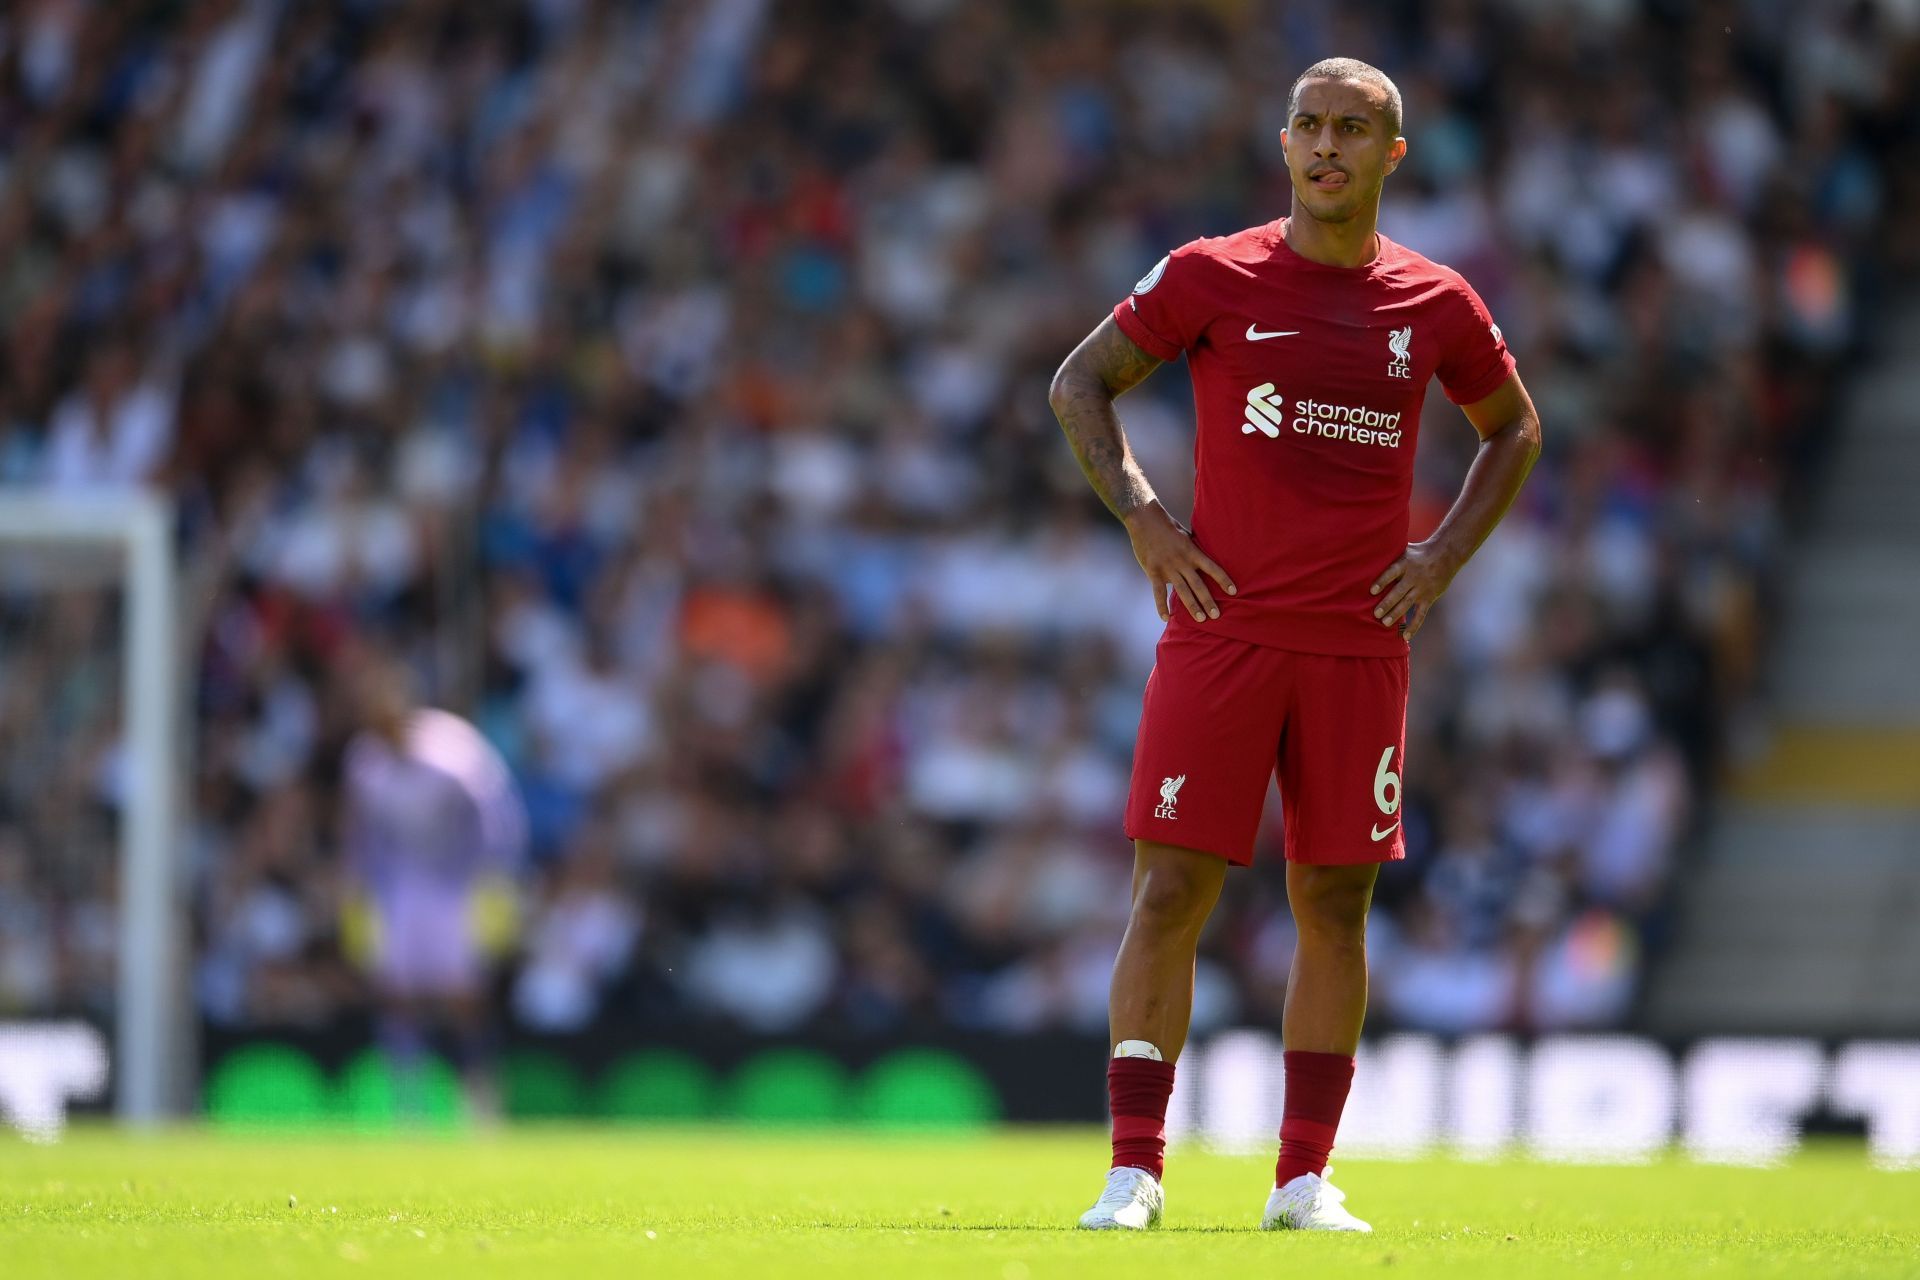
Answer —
1142 1069
1139 1086
1332 1068
1138 1128
1315 1133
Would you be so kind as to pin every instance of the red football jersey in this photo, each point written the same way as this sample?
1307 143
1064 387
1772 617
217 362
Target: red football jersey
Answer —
1307 386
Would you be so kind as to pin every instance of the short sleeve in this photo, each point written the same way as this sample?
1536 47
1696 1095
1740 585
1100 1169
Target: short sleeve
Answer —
1474 360
1164 315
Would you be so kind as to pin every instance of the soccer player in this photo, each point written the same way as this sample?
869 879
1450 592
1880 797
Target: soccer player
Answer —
434 833
1310 341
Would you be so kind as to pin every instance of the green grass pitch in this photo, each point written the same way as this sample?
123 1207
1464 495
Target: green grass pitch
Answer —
723 1202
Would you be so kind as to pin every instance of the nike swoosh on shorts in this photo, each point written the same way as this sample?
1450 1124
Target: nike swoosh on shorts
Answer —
1379 835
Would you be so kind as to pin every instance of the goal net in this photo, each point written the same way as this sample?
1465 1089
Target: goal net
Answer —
92 916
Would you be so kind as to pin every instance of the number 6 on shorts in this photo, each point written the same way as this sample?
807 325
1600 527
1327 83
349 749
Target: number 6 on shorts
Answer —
1386 781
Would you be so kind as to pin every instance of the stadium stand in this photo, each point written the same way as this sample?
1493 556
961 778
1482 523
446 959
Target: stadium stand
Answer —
725 496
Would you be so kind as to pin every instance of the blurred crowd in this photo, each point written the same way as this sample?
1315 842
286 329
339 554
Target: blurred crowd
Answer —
666 384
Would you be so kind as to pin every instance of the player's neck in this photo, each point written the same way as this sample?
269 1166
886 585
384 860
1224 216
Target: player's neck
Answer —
1353 243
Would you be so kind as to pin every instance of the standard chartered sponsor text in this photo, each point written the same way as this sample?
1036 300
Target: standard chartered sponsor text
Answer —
1356 423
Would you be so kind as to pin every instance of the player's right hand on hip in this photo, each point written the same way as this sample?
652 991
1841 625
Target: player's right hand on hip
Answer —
1169 558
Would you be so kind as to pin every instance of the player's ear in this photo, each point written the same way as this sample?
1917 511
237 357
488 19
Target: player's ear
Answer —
1396 153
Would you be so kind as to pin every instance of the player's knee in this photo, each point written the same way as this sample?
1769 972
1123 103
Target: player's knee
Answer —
1171 901
1331 902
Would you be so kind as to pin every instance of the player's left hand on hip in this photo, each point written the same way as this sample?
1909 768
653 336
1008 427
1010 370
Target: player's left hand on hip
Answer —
1411 585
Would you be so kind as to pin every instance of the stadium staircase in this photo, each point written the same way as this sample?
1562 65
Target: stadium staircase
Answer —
1803 915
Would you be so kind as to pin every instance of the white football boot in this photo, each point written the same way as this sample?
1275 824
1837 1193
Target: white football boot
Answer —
1132 1202
1309 1203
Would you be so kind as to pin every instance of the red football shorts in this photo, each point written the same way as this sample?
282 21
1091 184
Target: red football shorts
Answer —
1221 714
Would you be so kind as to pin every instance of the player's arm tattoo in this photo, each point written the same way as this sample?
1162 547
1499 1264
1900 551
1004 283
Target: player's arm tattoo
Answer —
1101 369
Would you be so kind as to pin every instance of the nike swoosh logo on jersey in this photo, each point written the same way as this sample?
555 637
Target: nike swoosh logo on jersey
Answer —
1254 334
1379 835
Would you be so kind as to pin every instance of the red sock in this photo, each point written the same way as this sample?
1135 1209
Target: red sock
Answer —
1137 1093
1316 1087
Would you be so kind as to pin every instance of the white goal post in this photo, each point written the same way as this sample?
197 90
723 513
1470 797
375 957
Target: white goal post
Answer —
150 1000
